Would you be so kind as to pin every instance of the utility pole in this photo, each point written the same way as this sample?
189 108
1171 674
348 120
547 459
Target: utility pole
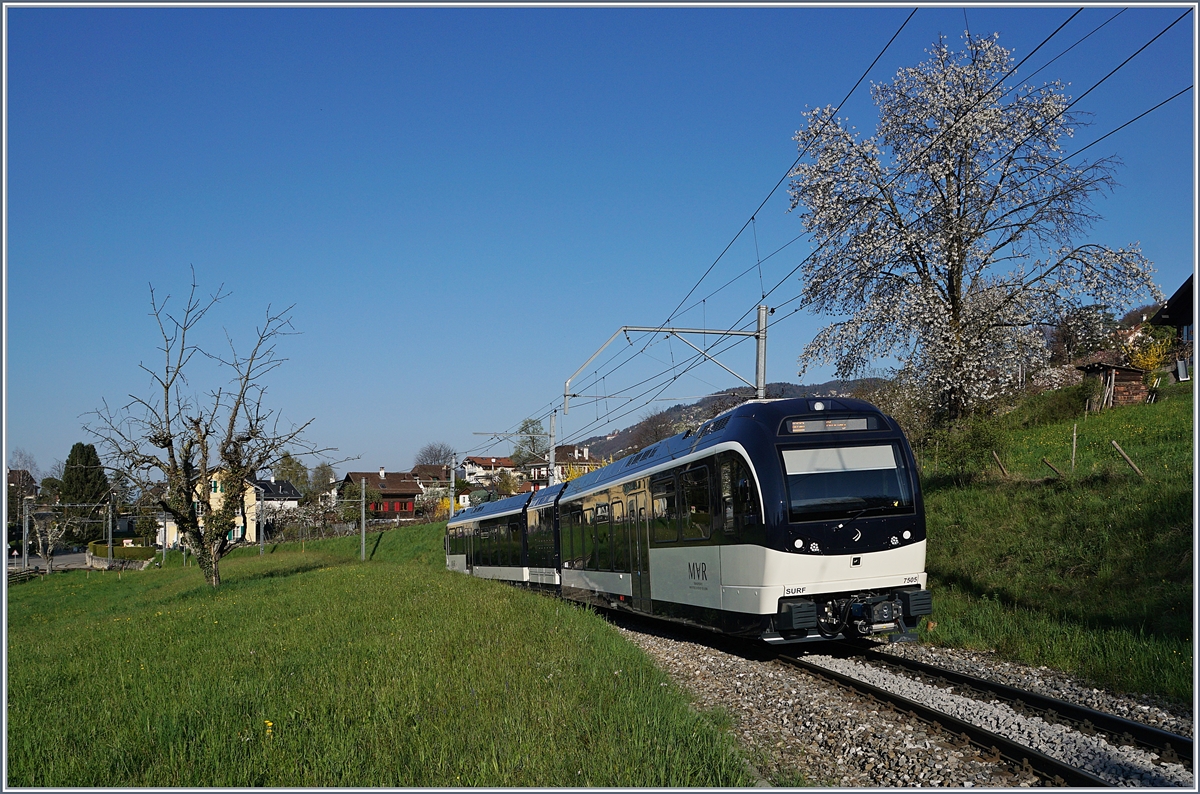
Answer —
552 475
450 480
258 524
760 365
108 515
28 500
362 500
759 386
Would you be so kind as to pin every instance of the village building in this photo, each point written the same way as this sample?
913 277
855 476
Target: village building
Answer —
398 492
1118 385
479 469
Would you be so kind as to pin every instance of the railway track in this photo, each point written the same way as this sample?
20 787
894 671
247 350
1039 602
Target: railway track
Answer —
1171 747
1038 737
1016 744
999 748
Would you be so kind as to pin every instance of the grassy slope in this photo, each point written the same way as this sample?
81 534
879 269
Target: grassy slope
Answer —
1091 574
314 669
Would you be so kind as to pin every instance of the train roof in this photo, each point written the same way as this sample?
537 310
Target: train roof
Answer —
711 433
545 496
511 504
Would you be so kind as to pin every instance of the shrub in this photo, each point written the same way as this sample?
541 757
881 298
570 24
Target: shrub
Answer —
965 449
99 548
1053 406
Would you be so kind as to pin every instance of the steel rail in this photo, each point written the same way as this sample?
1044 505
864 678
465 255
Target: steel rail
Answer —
1173 747
1026 758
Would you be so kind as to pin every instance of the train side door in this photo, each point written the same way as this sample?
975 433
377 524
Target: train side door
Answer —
639 550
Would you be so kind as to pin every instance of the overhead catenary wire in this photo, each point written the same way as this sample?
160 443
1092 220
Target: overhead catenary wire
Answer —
853 217
682 369
782 179
733 342
803 152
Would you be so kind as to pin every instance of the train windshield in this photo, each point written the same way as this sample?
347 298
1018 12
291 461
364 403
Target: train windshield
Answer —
840 482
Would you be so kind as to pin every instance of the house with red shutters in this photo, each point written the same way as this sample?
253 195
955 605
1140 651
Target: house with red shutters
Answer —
398 491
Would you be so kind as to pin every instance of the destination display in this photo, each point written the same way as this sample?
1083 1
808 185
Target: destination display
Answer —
826 425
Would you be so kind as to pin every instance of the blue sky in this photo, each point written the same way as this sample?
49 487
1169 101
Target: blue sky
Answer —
463 204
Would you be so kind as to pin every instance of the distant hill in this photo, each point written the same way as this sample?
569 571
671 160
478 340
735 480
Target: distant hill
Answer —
621 442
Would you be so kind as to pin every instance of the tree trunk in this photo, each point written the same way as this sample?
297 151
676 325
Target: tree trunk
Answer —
207 560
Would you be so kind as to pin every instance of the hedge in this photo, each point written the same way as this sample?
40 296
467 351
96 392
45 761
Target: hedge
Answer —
99 548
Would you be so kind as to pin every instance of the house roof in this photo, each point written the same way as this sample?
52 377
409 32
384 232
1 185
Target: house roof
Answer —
490 462
279 490
23 480
1102 367
430 472
393 483
1177 311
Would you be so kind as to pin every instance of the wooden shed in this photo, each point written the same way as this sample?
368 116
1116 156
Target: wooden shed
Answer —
1119 385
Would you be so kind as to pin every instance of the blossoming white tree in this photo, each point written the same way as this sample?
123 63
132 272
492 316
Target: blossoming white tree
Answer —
948 239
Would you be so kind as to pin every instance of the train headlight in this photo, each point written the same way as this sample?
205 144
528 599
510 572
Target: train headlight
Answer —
895 541
906 535
813 547
799 543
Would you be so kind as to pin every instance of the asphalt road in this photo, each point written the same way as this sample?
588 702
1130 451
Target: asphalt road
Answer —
61 561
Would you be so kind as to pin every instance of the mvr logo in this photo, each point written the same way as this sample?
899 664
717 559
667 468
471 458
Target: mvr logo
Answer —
697 572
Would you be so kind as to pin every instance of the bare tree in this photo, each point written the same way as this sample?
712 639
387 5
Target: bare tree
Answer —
193 442
653 427
19 459
947 240
49 527
435 453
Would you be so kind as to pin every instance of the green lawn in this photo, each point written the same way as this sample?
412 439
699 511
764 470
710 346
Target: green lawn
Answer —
1091 573
313 669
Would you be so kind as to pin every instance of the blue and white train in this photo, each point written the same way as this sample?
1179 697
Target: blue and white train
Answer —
787 520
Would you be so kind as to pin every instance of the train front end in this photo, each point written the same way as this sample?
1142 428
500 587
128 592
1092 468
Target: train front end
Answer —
844 521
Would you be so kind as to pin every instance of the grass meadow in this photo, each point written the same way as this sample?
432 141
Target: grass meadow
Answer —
315 669
1090 573
311 668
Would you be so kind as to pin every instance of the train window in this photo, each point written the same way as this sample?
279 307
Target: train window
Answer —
578 552
840 482
697 511
620 538
725 506
603 541
663 512
514 534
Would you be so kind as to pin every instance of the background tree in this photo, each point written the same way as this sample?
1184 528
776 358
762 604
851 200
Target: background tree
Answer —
653 427
435 453
321 481
502 482
83 483
49 528
1080 332
351 504
19 458
948 239
532 443
187 440
51 491
292 470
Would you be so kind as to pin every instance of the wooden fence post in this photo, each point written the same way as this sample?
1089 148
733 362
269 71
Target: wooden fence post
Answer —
1127 460
1003 470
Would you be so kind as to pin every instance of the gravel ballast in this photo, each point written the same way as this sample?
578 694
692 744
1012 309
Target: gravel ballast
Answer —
799 729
